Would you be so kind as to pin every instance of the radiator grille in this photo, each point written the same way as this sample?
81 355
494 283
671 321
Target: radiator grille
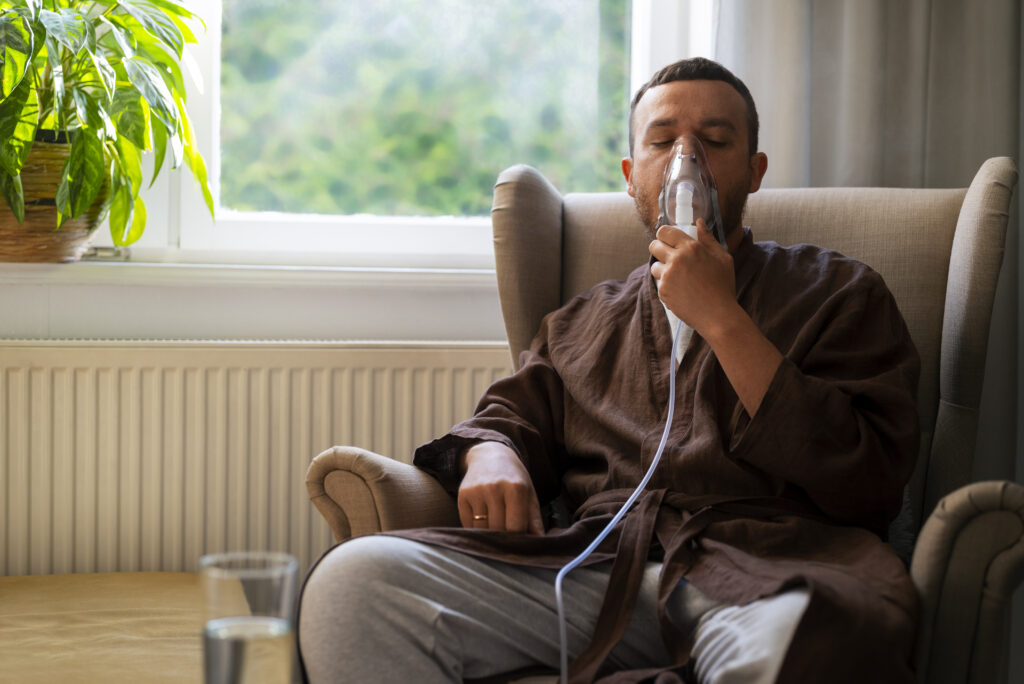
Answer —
124 457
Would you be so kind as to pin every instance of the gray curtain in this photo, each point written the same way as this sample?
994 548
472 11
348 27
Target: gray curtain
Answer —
907 93
903 93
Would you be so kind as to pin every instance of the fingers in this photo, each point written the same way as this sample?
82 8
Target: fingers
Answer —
508 510
536 524
481 512
496 492
495 515
467 512
673 236
523 515
670 239
665 247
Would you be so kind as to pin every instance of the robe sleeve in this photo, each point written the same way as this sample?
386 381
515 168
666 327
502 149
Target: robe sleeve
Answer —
524 411
840 418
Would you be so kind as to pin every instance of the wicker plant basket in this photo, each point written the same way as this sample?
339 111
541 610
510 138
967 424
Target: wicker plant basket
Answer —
38 239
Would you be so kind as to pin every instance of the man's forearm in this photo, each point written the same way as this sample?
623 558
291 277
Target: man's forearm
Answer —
749 359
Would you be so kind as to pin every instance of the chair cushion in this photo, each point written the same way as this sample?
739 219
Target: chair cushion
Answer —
108 627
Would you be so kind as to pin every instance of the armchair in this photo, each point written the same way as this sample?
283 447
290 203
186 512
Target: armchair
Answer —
939 251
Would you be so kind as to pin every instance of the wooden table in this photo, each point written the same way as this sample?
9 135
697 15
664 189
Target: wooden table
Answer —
107 627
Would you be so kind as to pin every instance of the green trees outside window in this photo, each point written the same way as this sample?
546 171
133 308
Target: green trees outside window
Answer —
402 107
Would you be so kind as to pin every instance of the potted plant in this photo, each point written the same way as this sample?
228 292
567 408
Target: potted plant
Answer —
87 87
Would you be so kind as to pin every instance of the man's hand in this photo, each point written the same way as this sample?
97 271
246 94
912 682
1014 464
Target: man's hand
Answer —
697 282
496 492
695 277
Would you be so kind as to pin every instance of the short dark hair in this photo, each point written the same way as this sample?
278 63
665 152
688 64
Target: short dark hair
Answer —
699 69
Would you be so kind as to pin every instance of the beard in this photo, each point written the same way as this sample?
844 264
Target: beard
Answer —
731 205
647 210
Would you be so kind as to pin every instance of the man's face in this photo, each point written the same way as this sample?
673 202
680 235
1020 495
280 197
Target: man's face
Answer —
711 111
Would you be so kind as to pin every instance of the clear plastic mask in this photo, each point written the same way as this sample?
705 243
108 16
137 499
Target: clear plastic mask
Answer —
688 190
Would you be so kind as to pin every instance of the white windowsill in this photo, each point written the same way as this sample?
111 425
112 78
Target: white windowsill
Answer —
181 301
147 274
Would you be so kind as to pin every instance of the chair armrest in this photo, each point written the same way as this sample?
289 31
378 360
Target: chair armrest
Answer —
360 492
968 560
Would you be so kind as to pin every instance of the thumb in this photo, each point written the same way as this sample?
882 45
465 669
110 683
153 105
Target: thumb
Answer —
705 236
536 524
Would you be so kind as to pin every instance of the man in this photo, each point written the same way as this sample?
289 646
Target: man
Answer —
756 553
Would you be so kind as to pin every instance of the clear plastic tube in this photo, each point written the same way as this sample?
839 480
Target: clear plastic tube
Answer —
575 562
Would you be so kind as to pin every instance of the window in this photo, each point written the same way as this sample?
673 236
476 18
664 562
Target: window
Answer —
406 108
451 92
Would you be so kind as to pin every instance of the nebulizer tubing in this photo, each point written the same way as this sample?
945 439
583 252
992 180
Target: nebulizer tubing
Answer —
687 181
575 562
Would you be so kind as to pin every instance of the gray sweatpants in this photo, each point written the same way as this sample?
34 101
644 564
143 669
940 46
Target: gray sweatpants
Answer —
383 609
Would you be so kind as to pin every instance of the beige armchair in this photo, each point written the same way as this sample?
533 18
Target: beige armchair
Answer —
939 251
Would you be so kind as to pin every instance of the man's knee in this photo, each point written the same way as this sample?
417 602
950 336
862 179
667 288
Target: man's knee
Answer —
747 644
356 579
360 568
363 617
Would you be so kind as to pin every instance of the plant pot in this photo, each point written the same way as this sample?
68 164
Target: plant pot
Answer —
38 239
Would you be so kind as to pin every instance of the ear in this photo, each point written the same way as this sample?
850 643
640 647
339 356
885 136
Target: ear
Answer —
758 166
627 173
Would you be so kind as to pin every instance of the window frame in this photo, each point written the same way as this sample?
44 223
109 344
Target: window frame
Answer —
180 228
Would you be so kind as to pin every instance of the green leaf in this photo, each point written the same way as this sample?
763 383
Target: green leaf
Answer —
167 65
177 149
194 160
121 40
84 171
131 116
180 15
11 188
56 76
155 22
16 45
129 157
67 27
19 115
88 39
105 73
120 211
151 86
134 230
159 150
63 198
127 214
177 10
34 6
91 113
198 167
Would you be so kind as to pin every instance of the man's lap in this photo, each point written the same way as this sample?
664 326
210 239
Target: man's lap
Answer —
479 617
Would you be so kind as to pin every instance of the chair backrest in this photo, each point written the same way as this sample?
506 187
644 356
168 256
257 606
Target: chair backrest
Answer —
939 251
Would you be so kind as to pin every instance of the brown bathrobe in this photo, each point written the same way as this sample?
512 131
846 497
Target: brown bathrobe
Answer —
799 495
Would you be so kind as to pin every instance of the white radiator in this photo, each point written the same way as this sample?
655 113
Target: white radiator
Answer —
130 456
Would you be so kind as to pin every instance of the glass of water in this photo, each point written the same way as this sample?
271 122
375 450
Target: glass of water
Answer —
248 637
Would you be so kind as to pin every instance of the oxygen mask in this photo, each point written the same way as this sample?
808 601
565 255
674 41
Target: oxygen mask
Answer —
688 190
